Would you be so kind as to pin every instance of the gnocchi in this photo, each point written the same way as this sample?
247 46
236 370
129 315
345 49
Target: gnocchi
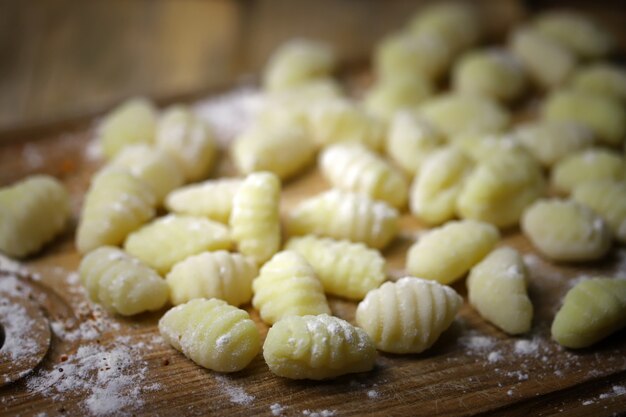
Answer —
223 275
343 215
287 285
211 333
317 347
115 205
446 253
608 199
121 283
345 269
255 217
390 95
587 165
212 199
32 212
173 238
564 230
352 167
591 311
602 79
131 123
497 288
409 315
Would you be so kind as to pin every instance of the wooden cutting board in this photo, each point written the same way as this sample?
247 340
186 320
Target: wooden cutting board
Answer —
97 363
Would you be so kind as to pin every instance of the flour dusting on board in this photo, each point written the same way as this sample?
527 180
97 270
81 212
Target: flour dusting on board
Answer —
277 409
236 394
319 413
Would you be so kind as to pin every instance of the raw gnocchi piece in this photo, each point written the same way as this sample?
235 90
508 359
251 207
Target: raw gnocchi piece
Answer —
604 115
577 32
458 24
389 95
317 347
497 288
404 55
547 61
153 166
189 139
411 141
339 120
435 190
133 122
116 204
494 73
608 199
551 141
170 239
454 114
211 333
32 212
297 62
587 165
343 215
602 78
591 311
446 253
224 275
212 199
500 188
409 315
565 230
353 167
286 286
255 217
121 283
284 150
346 269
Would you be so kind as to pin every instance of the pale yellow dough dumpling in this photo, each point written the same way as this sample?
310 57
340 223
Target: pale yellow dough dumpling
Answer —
608 199
409 315
601 78
317 347
132 122
389 95
591 311
211 333
497 288
446 253
587 165
212 199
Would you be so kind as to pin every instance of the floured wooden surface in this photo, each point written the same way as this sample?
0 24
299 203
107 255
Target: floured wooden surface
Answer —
103 365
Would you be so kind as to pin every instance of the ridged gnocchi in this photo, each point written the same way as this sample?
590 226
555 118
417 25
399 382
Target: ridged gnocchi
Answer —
409 315
587 165
343 215
223 275
317 347
494 73
500 188
608 199
121 283
564 230
549 142
446 253
353 167
132 122
188 139
287 285
211 333
591 311
32 212
601 78
115 205
390 95
411 140
173 238
454 114
547 61
255 217
435 190
212 199
497 288
346 269
285 150
604 115
153 166
298 62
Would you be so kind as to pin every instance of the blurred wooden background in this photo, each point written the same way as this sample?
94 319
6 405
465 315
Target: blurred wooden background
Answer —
64 59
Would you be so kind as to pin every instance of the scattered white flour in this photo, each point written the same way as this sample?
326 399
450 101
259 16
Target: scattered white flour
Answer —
277 409
237 394
11 266
477 343
93 150
526 347
587 402
373 394
321 413
521 376
17 320
32 156
494 356
509 393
